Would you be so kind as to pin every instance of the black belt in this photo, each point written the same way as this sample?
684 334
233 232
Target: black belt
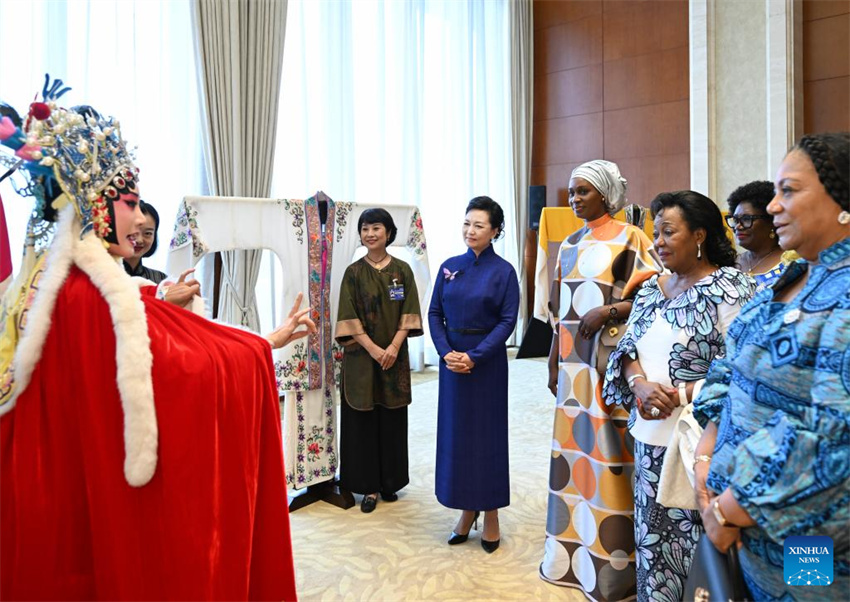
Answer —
469 330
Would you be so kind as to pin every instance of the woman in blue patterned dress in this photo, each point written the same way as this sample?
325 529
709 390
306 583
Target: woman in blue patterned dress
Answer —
473 312
676 328
774 460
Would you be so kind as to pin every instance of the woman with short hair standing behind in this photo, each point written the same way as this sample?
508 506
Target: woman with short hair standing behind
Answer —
144 245
676 329
473 312
763 258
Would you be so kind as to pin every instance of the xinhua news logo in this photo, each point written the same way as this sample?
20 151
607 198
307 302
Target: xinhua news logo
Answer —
808 560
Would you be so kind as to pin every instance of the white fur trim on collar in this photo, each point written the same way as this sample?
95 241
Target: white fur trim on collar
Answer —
132 345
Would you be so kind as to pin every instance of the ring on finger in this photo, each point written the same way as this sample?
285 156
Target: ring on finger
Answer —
655 412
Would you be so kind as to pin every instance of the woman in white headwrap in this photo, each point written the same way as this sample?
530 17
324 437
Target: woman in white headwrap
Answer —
589 529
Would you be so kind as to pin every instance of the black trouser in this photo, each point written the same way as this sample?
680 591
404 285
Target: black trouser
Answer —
373 449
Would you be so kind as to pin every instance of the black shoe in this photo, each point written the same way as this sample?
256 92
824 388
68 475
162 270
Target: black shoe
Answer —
389 497
368 504
490 546
455 538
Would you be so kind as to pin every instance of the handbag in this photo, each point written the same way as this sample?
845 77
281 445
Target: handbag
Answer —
714 576
676 483
610 334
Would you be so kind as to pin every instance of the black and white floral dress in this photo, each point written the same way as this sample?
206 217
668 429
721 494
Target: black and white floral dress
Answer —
675 341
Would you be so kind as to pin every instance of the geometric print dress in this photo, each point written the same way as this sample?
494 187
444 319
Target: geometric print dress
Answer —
589 527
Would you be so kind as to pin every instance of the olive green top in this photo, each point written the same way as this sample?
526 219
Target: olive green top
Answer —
367 305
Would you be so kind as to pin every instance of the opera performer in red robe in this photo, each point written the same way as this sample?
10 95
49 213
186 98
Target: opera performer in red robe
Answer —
140 444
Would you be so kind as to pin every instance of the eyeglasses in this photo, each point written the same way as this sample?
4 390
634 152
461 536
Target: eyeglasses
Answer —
745 221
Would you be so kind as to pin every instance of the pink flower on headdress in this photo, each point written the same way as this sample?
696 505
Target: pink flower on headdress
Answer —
7 128
26 152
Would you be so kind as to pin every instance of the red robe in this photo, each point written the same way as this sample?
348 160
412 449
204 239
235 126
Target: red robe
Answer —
213 521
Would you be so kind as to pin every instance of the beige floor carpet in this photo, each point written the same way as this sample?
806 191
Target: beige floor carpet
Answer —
399 551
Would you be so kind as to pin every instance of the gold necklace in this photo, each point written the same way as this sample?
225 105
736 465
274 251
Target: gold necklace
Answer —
752 269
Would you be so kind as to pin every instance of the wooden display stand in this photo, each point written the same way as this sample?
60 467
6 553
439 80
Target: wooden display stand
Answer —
329 492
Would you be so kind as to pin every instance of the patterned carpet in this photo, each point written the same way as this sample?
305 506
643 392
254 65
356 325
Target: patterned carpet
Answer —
399 551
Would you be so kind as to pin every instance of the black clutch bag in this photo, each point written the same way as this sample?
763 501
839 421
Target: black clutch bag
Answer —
715 577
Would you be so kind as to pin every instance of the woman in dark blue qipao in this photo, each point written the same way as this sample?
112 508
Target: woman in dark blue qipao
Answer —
473 312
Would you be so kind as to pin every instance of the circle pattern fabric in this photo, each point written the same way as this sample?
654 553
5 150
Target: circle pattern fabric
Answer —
590 527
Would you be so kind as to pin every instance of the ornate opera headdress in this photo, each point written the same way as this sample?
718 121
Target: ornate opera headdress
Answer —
82 151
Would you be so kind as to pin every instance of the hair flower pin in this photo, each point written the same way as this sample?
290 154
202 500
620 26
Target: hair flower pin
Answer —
451 275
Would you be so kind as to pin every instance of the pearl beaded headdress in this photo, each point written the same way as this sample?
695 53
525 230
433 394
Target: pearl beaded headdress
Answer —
86 155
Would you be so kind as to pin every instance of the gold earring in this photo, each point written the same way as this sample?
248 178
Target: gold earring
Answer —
772 234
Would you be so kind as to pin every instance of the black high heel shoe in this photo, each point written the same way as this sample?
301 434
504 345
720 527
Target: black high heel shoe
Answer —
456 538
490 546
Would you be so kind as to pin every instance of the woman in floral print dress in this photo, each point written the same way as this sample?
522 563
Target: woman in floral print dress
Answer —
676 328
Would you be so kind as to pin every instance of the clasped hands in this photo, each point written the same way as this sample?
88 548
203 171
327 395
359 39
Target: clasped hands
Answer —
458 362
385 357
650 395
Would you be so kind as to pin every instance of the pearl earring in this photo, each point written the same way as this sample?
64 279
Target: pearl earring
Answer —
699 251
844 218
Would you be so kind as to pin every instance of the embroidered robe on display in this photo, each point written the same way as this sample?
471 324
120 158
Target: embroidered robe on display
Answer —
313 263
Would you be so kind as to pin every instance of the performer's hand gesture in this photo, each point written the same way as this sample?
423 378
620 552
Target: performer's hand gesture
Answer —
182 292
287 332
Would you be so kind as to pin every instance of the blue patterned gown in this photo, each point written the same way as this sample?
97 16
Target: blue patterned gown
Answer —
474 310
675 341
781 402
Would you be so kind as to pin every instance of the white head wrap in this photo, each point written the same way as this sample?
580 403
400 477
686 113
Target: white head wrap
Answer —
605 177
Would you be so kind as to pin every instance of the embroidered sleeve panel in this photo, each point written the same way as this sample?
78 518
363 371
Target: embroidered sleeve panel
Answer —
345 329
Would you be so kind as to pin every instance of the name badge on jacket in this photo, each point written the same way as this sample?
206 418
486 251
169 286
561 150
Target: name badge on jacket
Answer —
396 291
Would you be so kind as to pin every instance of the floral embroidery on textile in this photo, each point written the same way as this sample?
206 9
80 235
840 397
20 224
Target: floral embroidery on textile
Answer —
315 442
186 229
309 447
337 360
314 271
342 211
416 237
319 291
296 210
291 375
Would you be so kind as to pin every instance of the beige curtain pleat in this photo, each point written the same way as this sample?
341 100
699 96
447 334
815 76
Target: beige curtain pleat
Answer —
522 102
239 54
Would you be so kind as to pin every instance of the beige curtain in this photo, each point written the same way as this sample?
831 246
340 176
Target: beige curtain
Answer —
522 100
239 56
